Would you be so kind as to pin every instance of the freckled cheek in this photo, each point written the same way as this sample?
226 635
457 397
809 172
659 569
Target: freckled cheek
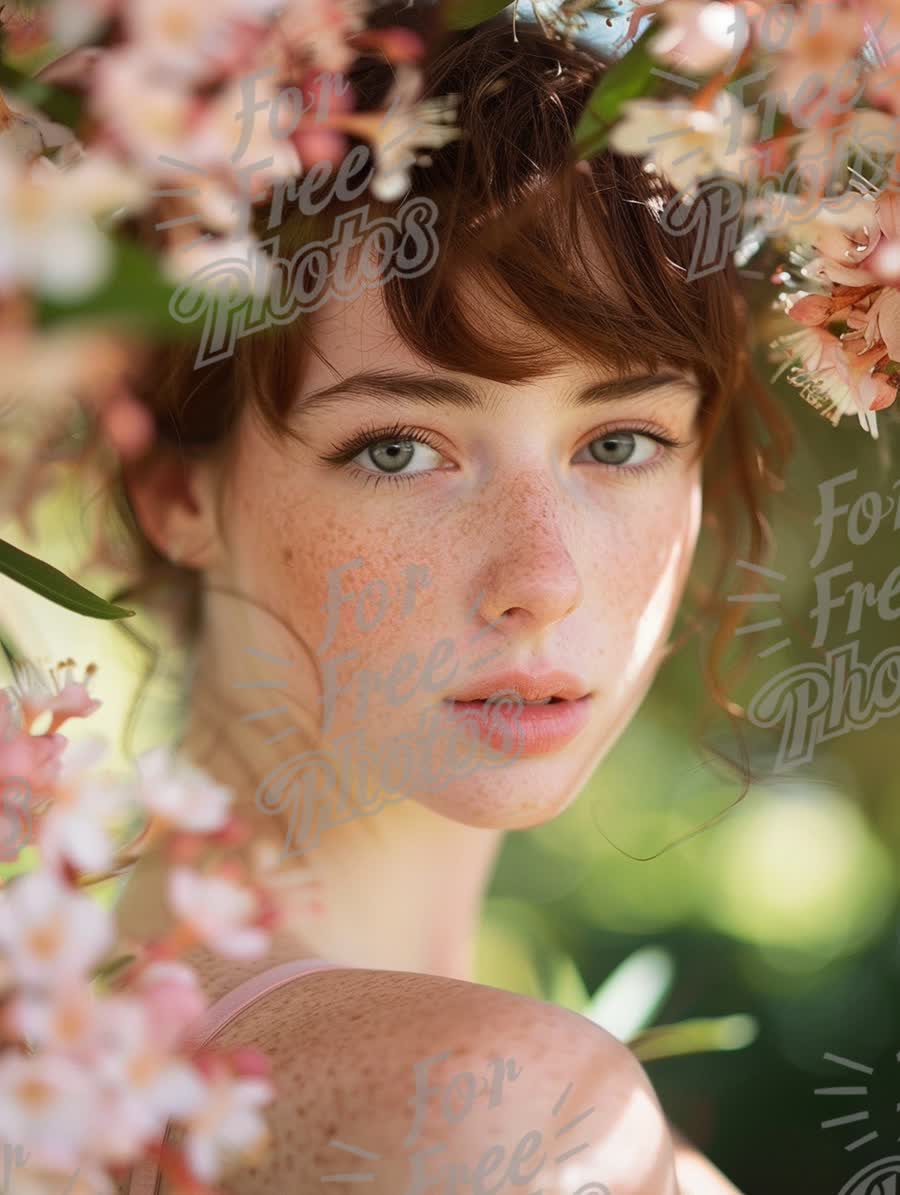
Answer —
643 565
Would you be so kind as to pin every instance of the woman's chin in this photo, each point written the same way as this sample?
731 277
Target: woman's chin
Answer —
517 796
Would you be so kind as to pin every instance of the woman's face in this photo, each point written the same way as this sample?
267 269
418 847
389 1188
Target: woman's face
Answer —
438 538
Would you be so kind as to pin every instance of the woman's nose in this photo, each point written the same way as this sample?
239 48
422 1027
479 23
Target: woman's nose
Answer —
531 580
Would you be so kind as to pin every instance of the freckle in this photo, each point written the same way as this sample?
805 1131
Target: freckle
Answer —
288 555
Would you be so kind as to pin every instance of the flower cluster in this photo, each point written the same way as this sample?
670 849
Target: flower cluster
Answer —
139 118
799 106
131 117
96 1053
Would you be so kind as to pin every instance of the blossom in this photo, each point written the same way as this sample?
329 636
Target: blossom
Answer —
823 41
683 142
181 794
78 826
188 41
222 913
820 151
50 933
172 998
58 1020
140 1084
238 265
319 29
33 760
228 1124
39 693
699 37
881 324
811 310
87 1179
47 1107
807 223
831 380
49 239
406 127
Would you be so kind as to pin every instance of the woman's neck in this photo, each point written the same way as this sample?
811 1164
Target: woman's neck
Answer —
398 890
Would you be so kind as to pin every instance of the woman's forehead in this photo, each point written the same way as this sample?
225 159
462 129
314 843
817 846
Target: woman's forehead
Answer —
356 335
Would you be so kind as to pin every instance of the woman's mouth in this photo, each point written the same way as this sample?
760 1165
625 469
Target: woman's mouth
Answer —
516 724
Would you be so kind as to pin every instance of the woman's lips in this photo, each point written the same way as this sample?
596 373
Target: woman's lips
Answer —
516 728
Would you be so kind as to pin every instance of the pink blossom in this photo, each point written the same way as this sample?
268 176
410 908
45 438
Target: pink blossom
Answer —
882 322
683 142
811 310
823 39
828 270
35 759
40 693
700 37
871 392
187 41
49 932
320 28
814 348
181 794
59 1021
229 1124
140 1085
172 999
47 1106
87 1179
223 914
85 810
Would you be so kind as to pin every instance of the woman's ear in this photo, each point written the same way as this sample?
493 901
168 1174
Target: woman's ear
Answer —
174 502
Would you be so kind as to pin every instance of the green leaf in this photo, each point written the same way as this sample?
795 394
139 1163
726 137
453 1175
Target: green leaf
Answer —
567 988
464 14
630 997
50 583
58 104
109 970
630 77
135 294
698 1036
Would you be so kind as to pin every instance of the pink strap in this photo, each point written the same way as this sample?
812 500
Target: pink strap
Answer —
145 1176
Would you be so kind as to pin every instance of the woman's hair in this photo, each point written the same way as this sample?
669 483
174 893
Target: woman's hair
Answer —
513 211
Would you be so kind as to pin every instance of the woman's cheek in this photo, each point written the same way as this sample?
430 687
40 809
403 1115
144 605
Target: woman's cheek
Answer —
652 577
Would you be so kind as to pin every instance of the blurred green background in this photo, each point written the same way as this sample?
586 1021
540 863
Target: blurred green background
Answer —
784 910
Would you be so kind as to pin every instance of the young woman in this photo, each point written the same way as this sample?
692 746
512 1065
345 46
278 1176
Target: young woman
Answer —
427 543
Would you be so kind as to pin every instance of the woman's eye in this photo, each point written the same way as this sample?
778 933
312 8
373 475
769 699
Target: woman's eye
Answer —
620 448
395 455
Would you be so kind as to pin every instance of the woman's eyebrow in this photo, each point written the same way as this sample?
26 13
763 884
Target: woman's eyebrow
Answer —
437 391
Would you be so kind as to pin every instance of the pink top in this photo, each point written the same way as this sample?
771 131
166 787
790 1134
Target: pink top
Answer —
145 1176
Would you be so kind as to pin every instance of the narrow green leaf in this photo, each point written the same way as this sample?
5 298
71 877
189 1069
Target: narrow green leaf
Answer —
50 583
698 1036
109 970
465 14
630 77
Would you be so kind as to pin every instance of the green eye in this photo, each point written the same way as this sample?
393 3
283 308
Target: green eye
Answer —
620 448
394 455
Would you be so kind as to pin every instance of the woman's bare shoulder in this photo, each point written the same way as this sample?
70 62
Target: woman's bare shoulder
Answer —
429 1084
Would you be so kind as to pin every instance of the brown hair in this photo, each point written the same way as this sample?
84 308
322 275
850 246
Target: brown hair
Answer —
512 209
